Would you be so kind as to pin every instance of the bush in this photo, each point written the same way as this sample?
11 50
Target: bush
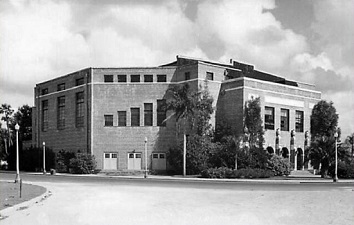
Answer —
83 164
63 161
224 172
345 169
279 165
31 159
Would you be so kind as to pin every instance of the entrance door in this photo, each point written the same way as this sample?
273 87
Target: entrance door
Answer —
159 161
134 161
110 161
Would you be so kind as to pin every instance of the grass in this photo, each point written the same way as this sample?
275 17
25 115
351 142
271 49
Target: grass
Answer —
10 193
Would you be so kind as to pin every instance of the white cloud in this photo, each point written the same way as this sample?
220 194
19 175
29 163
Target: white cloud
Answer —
248 33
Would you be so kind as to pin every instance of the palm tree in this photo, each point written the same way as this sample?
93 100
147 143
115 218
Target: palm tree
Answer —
183 103
7 117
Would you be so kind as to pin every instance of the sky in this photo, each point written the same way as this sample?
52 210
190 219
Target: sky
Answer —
303 40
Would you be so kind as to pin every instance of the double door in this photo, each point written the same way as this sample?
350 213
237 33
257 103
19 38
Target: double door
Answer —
134 161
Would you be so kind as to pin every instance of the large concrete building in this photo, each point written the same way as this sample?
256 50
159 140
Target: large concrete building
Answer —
110 112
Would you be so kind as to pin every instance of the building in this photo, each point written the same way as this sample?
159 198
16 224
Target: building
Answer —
109 112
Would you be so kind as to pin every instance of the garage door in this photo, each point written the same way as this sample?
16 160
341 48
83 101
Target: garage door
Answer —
134 161
110 161
159 161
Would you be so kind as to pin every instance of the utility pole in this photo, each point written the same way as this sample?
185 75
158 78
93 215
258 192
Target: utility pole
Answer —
44 171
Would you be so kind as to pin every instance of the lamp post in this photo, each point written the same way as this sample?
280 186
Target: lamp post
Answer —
44 172
335 178
17 179
145 174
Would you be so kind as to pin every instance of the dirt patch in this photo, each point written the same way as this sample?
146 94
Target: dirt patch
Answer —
10 193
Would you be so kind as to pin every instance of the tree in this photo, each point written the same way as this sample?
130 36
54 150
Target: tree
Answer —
7 111
324 121
194 108
23 117
253 122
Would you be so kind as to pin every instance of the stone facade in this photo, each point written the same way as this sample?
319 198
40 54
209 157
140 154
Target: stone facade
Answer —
87 120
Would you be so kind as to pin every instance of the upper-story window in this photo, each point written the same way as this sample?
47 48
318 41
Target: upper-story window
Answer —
108 120
209 76
187 75
45 115
122 78
61 113
79 81
135 78
44 91
299 121
135 117
122 118
161 112
148 78
61 87
148 114
108 78
284 119
80 109
269 118
161 78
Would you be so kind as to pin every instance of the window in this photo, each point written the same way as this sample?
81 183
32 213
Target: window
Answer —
155 156
147 114
114 155
106 155
108 78
187 75
209 76
161 112
148 78
61 87
284 119
122 118
137 155
161 78
162 156
135 117
61 113
44 115
269 118
108 120
135 78
79 81
299 121
44 91
80 109
122 78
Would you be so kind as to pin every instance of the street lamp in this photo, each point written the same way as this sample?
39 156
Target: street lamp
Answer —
335 178
17 179
145 175
44 172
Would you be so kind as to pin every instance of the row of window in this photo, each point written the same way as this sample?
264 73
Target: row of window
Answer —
61 86
269 121
135 115
135 78
208 76
79 122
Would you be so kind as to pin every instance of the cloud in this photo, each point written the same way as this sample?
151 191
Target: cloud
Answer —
40 40
245 31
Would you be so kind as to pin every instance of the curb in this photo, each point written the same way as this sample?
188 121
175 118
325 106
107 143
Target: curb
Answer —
24 205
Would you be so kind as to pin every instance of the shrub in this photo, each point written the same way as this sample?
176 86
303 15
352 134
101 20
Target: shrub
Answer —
31 159
63 161
224 172
345 169
279 165
82 164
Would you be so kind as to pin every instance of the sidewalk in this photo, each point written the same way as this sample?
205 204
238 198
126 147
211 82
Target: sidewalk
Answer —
287 179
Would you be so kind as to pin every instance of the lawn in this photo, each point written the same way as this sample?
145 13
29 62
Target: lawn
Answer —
10 193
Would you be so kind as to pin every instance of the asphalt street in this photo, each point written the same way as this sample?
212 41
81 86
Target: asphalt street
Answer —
106 200
185 183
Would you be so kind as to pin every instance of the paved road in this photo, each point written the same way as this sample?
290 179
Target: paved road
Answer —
102 200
